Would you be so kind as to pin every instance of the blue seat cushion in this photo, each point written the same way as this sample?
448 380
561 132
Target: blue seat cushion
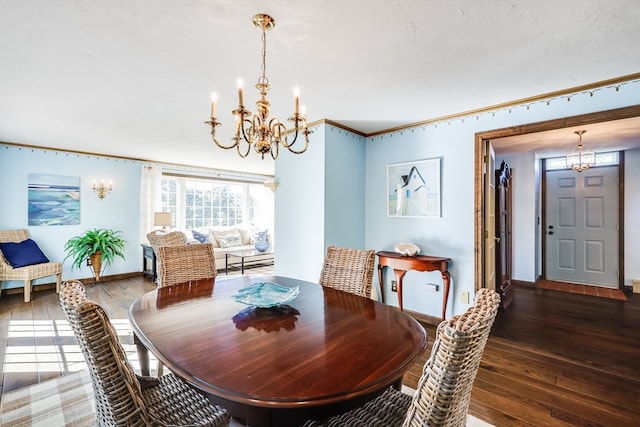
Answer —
23 253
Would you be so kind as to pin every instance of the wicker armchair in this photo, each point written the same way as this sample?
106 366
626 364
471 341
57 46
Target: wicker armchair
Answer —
444 389
180 264
158 239
29 272
349 270
121 396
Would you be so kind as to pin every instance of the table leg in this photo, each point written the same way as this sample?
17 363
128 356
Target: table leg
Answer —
446 279
226 264
241 265
399 275
143 356
380 267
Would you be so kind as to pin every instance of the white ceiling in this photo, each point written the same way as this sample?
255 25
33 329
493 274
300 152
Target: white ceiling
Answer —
133 78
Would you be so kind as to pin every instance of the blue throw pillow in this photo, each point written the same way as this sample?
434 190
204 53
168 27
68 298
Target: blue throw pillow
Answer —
201 237
23 253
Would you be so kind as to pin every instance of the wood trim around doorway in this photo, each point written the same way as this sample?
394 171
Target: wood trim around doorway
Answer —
481 137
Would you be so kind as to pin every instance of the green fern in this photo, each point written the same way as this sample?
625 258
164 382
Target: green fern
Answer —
80 248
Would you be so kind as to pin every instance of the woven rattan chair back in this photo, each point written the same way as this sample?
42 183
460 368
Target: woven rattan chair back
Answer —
180 264
122 397
27 273
118 396
444 389
350 270
159 239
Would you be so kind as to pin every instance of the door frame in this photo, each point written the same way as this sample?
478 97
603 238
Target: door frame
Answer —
479 194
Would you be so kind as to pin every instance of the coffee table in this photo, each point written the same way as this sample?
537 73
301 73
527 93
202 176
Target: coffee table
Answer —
249 258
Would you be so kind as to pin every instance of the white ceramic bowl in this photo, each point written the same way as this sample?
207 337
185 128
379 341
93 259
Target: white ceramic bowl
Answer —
406 249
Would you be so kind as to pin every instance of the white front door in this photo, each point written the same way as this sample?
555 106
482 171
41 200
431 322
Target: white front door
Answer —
582 226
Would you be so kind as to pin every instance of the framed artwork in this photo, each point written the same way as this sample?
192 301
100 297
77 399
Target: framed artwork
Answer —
53 199
413 189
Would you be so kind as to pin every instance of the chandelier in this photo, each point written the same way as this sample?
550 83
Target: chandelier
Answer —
580 158
265 134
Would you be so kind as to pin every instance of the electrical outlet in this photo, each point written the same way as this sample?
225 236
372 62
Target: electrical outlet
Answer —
394 286
431 287
464 296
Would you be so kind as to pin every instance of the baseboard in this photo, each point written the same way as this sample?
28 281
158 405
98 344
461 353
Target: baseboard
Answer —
85 281
424 318
523 283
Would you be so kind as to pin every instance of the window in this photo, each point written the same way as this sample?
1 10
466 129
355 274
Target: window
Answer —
204 203
602 159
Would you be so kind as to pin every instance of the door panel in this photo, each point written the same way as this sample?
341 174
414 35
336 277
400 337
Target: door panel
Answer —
582 226
489 217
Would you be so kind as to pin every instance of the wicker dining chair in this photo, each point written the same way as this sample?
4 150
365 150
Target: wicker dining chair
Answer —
29 272
159 238
444 389
121 396
179 264
349 270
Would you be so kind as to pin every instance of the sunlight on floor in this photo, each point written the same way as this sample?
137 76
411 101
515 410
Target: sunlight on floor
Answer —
50 346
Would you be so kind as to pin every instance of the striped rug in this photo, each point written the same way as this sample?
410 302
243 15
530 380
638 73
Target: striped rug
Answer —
68 401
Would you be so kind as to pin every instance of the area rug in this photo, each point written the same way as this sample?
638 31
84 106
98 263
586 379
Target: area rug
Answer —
68 401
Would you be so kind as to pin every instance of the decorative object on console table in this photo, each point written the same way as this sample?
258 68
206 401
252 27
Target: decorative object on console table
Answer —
401 264
96 246
406 249
262 241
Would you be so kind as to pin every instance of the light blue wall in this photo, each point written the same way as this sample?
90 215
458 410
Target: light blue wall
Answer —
452 235
344 189
119 210
299 210
320 201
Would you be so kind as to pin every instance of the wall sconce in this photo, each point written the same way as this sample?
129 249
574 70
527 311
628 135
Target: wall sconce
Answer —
163 219
102 189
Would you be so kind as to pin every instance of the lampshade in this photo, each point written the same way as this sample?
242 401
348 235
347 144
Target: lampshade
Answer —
163 219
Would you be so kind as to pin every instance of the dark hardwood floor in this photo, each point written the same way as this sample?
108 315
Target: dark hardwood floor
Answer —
553 359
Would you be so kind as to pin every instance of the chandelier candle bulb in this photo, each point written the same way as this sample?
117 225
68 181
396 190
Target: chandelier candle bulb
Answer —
214 98
240 97
296 97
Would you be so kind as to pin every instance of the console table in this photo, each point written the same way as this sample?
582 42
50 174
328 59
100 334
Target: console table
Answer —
401 264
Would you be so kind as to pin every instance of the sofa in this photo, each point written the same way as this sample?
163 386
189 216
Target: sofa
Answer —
224 240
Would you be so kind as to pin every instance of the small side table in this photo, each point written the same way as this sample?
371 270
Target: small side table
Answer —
401 264
148 262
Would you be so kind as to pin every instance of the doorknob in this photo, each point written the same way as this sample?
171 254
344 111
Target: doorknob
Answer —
551 227
497 239
551 232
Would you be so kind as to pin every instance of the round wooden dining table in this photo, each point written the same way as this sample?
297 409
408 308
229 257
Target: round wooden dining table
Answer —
320 354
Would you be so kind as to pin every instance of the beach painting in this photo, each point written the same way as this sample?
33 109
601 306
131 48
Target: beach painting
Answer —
54 199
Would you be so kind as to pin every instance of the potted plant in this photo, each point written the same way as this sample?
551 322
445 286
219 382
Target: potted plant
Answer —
95 246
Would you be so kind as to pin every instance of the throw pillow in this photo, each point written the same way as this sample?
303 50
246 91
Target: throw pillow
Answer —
23 253
201 237
217 234
230 241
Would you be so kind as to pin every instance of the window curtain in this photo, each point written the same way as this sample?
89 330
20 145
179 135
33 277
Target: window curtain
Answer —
150 198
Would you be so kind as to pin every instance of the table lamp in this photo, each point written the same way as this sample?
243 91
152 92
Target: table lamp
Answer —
163 219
